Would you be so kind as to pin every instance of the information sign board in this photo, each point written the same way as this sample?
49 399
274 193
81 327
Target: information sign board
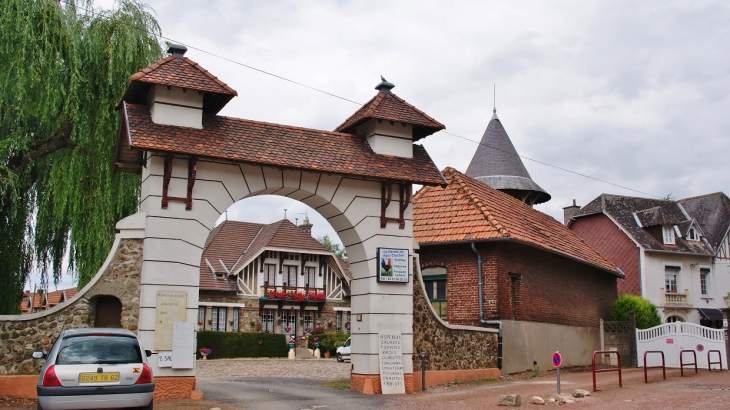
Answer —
393 265
391 363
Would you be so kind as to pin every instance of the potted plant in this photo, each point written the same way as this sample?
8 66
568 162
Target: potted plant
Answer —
204 351
200 324
230 322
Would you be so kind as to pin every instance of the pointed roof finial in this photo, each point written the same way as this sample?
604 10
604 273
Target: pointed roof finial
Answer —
494 110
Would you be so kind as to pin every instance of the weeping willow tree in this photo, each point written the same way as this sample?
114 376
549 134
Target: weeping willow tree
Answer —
62 70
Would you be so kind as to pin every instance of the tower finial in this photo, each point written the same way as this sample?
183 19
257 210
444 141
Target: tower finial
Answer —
494 110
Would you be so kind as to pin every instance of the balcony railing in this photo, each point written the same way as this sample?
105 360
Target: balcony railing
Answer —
676 299
294 293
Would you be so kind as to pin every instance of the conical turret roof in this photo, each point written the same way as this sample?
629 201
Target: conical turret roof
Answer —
497 164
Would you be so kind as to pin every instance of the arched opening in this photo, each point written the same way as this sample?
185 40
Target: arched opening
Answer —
266 268
673 319
108 312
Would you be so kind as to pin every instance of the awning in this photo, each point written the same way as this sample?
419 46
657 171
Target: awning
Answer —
710 313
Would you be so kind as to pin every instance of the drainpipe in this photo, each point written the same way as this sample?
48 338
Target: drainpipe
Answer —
481 308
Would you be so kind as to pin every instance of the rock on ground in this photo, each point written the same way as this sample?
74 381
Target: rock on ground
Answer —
512 400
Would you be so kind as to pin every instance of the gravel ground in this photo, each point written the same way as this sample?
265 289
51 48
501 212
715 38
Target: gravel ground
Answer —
704 390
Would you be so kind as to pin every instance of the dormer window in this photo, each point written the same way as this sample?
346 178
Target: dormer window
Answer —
692 235
668 234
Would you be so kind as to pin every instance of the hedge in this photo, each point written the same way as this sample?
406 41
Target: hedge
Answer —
329 342
646 313
235 344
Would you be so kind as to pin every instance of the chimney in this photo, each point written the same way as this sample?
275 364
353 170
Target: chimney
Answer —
569 212
305 225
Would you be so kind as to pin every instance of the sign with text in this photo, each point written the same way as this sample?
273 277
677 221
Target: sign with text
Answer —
164 359
183 345
170 308
392 265
391 363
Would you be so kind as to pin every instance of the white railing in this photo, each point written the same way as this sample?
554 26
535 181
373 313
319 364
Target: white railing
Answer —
676 299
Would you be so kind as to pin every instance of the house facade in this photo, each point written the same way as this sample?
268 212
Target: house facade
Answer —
487 256
273 278
38 301
676 254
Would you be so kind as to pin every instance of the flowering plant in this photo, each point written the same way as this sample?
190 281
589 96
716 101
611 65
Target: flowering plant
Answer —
204 351
288 328
317 296
316 339
318 329
200 322
299 296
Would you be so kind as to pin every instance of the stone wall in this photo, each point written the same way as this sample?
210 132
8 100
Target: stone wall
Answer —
21 335
447 347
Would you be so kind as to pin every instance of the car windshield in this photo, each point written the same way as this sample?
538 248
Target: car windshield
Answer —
99 349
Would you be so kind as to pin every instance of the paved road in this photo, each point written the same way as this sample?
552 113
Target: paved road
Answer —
281 385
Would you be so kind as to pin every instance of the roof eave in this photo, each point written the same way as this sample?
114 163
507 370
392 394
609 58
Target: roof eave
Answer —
616 272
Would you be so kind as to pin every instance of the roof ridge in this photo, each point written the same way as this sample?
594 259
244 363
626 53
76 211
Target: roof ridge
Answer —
274 124
365 109
456 176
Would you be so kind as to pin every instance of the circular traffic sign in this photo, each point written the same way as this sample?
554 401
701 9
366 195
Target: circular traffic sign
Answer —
557 359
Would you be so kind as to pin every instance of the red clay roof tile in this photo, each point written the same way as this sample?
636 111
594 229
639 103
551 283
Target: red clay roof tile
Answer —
278 145
468 210
390 107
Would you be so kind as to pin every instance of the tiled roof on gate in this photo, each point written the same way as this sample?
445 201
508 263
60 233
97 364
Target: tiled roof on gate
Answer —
235 244
277 145
470 211
180 72
637 216
388 106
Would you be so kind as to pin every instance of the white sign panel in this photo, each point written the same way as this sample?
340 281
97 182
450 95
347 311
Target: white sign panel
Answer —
391 363
170 308
392 265
164 359
183 345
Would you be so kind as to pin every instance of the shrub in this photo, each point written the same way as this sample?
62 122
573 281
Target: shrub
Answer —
235 344
330 341
646 313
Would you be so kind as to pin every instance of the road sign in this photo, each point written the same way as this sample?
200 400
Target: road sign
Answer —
557 359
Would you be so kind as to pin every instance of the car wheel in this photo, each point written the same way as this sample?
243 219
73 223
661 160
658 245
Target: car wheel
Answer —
339 358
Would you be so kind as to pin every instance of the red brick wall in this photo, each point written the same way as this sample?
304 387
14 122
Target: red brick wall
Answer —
605 237
551 288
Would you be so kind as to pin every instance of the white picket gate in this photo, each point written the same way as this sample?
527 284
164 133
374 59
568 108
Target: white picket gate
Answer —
671 338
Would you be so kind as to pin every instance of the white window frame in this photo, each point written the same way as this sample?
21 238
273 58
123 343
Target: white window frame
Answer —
705 281
672 272
668 234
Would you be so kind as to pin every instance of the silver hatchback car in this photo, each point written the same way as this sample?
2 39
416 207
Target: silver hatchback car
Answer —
95 369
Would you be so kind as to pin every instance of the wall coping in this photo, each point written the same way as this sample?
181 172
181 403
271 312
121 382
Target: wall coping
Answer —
131 227
417 266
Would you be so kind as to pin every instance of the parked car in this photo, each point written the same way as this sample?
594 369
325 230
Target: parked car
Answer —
343 352
95 369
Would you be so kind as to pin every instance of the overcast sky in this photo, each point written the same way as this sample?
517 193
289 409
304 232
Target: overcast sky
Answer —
635 93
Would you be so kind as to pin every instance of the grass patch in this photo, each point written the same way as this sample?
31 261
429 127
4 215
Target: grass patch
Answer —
479 382
338 384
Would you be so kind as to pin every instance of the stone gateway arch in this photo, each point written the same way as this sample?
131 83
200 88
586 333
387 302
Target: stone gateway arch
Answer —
194 164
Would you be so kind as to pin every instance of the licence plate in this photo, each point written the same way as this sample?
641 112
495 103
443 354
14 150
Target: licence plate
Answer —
98 377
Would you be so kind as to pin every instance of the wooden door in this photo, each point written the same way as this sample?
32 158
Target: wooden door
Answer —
108 312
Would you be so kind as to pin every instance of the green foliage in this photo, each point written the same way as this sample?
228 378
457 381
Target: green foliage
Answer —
62 71
332 246
330 341
235 344
646 313
338 384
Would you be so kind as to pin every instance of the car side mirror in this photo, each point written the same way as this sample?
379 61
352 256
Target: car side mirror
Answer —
39 355
148 353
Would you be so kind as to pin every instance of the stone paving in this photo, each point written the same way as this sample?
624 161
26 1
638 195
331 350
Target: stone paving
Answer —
210 371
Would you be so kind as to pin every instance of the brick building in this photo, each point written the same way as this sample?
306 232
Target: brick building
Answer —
275 278
532 267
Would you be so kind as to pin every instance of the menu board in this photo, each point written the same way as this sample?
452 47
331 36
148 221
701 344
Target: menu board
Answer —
391 363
